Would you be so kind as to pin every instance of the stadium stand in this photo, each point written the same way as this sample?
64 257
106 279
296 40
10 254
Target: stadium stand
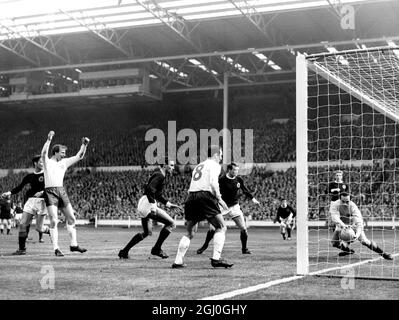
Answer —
115 194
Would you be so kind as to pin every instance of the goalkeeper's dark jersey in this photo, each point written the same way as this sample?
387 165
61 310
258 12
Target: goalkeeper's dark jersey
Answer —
153 188
36 182
229 189
283 213
334 195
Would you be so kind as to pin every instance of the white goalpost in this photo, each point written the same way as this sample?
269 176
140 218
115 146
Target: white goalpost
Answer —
347 118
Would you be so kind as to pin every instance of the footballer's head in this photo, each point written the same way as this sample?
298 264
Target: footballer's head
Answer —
338 175
168 165
215 152
59 151
232 169
37 162
345 198
284 202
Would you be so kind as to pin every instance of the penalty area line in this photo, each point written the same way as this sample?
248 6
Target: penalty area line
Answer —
269 284
261 286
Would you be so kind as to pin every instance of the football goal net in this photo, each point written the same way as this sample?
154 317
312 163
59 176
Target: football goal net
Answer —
347 119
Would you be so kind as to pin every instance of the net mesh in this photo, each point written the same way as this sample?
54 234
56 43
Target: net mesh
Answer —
353 112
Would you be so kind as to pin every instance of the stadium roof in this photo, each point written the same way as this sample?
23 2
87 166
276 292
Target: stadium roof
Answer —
188 44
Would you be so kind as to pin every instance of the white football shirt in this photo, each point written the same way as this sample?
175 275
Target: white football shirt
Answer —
348 214
54 171
204 175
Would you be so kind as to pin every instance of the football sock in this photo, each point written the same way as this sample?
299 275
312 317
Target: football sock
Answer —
22 236
72 233
8 230
22 242
283 234
1 228
135 240
40 235
289 233
209 235
218 243
162 237
373 246
244 238
182 249
54 237
343 247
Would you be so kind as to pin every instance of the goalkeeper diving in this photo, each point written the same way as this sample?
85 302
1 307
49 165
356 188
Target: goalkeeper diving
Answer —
345 215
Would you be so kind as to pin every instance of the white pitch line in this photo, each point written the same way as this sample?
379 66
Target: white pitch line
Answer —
269 284
349 265
234 293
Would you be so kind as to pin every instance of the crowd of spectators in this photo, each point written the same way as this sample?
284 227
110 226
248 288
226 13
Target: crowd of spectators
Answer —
117 133
114 195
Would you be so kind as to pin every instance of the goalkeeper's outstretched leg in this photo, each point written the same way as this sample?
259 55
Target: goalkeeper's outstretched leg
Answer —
372 245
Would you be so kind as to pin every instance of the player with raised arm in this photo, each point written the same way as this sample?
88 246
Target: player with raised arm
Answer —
285 216
148 210
345 214
34 205
203 204
55 194
230 184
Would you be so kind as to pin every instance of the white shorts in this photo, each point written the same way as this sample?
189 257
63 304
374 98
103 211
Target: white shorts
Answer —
18 217
35 206
144 207
233 212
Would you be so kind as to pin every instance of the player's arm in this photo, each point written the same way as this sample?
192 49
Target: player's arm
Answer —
153 193
357 219
277 218
246 191
81 153
214 182
18 188
293 212
335 216
46 146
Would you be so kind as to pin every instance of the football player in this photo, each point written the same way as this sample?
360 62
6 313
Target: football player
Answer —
203 204
345 214
230 184
34 205
148 209
55 194
286 217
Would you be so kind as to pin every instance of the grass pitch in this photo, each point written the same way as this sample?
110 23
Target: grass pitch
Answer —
100 274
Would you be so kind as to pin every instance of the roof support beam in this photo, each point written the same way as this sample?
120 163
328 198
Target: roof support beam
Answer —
115 39
176 23
44 43
234 85
297 47
18 47
103 32
261 23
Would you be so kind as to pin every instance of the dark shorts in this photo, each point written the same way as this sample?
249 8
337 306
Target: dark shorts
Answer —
56 196
201 205
5 215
